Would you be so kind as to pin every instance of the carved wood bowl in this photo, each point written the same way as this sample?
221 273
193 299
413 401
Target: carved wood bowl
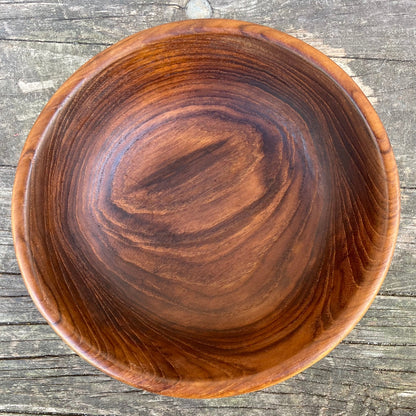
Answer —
206 208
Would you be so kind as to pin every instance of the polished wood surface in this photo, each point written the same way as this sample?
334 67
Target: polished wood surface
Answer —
205 208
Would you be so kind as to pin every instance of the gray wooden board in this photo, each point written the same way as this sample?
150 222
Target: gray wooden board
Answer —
373 372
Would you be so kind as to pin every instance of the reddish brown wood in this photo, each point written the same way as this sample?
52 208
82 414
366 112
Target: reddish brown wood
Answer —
205 208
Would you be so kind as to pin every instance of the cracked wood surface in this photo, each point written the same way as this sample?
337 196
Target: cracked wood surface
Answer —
373 372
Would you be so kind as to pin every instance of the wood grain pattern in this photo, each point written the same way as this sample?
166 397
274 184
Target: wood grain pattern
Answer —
359 377
206 208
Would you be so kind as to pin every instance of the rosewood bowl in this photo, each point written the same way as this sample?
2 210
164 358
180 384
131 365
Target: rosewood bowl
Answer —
205 208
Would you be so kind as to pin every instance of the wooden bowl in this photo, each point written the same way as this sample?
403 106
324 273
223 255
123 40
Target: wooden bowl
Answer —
206 208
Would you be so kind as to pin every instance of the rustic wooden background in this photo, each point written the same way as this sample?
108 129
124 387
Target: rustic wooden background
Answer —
373 372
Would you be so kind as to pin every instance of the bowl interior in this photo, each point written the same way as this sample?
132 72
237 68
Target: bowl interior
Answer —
206 215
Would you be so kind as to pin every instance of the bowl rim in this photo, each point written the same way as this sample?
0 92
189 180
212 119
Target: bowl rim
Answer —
123 48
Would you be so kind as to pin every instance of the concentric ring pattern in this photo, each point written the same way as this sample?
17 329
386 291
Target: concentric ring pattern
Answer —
207 214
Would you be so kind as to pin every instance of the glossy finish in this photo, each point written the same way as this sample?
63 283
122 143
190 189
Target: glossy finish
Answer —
205 208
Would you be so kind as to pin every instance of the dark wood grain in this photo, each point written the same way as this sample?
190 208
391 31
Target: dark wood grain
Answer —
359 377
205 208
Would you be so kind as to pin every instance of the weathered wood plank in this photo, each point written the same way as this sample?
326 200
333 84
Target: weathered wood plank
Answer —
30 342
98 22
6 240
19 310
11 285
390 320
367 29
394 85
29 74
356 26
8 263
366 384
